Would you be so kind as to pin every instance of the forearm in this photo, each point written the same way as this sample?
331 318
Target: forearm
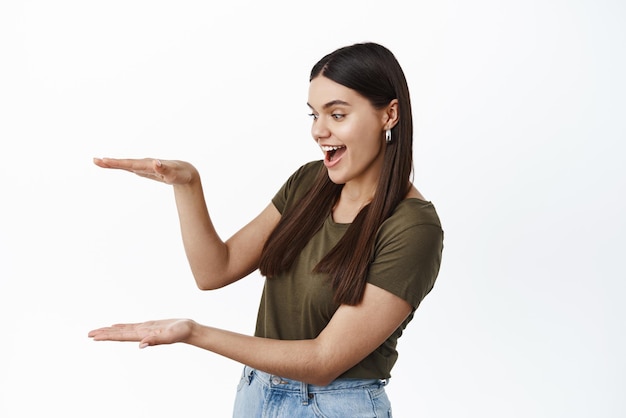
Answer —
206 251
303 360
351 335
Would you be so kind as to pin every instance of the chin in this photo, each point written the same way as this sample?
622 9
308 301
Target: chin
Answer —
336 178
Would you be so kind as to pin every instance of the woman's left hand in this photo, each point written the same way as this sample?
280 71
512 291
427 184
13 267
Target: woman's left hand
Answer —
165 331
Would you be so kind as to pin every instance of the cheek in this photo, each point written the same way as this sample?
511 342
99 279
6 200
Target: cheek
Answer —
368 141
360 134
365 130
354 133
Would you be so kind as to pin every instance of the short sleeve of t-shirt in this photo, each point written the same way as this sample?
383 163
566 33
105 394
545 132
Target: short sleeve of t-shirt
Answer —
407 253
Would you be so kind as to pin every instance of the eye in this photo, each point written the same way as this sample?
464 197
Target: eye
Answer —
338 116
313 116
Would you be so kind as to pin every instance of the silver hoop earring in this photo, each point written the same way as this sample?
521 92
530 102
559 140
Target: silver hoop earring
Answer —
388 136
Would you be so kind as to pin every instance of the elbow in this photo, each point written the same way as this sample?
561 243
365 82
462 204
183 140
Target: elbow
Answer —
205 282
325 369
208 285
210 278
204 286
327 362
324 376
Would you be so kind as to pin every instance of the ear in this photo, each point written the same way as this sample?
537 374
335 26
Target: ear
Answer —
391 115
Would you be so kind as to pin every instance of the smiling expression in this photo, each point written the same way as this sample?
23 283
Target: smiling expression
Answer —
349 131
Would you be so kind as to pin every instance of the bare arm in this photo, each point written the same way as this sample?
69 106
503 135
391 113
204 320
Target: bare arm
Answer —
214 263
352 334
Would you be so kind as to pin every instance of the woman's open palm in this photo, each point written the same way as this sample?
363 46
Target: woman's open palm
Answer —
165 331
166 171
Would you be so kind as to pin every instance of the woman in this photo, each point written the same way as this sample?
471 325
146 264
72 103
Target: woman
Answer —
349 248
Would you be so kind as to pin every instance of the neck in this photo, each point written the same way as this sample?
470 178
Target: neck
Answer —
361 189
357 194
351 201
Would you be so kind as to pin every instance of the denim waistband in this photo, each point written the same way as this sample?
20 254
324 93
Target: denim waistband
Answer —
307 390
282 383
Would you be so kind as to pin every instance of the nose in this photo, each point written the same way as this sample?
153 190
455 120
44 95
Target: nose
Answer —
319 130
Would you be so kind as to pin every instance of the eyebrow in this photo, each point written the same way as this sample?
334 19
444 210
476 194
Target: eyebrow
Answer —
332 103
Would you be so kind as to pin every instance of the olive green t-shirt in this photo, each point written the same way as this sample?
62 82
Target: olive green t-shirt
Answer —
298 304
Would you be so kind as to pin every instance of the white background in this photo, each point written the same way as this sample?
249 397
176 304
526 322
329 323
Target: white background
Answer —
520 129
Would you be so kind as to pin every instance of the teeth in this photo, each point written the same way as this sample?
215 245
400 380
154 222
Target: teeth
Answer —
327 148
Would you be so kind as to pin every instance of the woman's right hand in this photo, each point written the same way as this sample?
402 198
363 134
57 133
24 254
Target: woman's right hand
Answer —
166 171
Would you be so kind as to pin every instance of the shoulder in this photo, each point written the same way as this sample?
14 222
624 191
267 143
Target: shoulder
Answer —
413 226
306 173
310 169
413 211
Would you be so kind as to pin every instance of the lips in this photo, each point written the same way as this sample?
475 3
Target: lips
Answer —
332 154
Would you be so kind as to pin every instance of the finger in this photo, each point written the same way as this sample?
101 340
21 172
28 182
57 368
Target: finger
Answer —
143 165
147 342
156 336
163 171
120 325
115 335
107 162
117 332
93 332
99 162
160 169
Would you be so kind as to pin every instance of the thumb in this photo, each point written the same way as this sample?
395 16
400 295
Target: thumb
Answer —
146 342
161 170
158 165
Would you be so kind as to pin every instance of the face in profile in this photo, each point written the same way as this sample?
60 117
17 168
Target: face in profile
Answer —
349 131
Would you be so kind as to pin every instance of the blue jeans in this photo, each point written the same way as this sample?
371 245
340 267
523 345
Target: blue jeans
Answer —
261 395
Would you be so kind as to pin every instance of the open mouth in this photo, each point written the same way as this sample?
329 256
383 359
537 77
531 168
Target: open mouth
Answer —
333 152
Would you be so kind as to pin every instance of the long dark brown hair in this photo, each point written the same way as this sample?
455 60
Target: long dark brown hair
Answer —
373 72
